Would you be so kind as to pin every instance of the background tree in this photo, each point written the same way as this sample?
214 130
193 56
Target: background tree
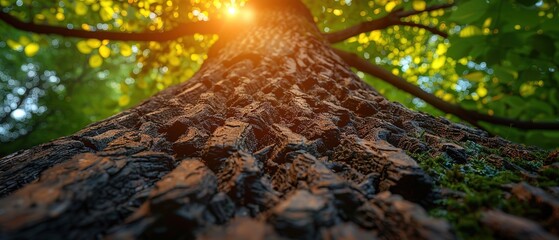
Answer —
482 81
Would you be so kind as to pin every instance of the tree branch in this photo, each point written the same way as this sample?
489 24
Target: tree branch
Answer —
469 116
205 27
430 29
393 18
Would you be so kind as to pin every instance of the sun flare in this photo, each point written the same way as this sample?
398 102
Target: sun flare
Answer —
232 10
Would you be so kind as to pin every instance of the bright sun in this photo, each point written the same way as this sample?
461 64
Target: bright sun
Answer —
232 10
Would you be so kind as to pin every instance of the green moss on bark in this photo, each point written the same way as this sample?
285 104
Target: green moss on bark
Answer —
478 185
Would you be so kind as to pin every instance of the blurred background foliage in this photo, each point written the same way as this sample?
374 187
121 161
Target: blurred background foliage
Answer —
501 58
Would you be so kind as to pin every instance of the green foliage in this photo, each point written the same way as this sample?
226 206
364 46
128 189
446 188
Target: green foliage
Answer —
500 59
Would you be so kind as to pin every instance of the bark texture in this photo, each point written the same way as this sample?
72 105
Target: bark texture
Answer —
274 137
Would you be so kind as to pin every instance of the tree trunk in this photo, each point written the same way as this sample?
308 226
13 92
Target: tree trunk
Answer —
274 136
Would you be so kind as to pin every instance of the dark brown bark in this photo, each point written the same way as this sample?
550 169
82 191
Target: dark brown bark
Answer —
273 137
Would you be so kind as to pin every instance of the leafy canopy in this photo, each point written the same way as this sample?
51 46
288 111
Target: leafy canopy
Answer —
500 58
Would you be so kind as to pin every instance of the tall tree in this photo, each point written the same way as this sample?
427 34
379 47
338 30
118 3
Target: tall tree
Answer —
275 136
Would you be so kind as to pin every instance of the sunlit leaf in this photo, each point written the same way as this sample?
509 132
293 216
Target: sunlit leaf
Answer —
23 40
481 91
470 31
475 76
83 47
419 5
441 49
31 49
527 89
81 8
93 43
438 63
14 45
104 51
195 57
487 22
337 12
390 5
60 16
123 100
106 13
125 49
174 60
95 61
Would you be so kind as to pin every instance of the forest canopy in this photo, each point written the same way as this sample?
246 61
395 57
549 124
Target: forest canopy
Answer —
66 64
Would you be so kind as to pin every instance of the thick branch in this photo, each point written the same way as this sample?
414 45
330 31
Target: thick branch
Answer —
472 117
208 27
391 19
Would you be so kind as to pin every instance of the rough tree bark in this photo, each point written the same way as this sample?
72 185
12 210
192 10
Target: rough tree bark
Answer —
274 136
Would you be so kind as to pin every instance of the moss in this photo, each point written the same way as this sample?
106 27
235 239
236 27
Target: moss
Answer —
482 186
549 177
531 166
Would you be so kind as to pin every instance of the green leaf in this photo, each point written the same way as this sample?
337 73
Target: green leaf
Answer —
519 15
527 3
469 12
529 75
470 31
459 47
515 105
550 26
544 45
494 56
554 97
504 74
537 106
469 104
475 76
479 49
